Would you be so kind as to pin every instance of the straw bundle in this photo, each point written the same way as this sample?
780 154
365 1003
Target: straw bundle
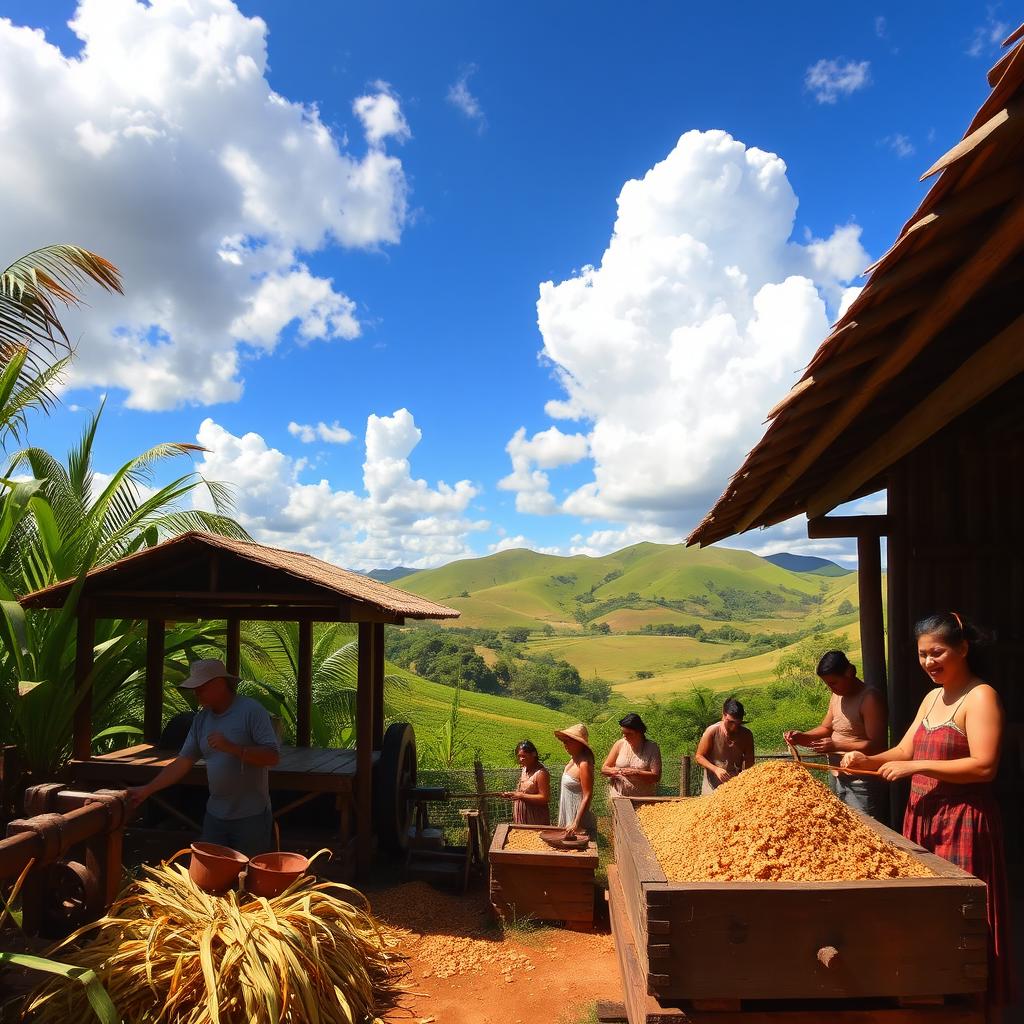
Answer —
168 952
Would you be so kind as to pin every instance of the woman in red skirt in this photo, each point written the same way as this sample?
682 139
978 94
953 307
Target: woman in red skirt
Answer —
951 752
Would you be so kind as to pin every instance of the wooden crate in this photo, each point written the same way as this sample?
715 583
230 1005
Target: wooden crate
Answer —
550 886
639 1006
907 937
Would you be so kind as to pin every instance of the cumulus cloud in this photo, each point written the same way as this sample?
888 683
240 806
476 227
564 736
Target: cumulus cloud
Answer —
672 349
830 79
335 433
900 144
397 520
162 146
547 449
519 541
987 37
463 100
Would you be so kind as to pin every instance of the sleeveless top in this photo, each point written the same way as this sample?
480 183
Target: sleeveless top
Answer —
726 753
848 718
569 799
526 812
647 759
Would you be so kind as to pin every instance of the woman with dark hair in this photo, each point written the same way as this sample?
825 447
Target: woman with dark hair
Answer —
856 719
633 765
531 795
726 748
951 754
575 813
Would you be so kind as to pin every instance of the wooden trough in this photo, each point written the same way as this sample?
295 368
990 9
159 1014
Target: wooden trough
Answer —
553 885
695 944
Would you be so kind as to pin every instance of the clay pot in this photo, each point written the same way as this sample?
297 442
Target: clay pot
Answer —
270 874
215 869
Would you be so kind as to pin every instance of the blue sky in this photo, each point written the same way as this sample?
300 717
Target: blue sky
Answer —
411 242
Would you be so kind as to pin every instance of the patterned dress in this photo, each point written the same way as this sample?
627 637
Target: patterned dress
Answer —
527 812
961 823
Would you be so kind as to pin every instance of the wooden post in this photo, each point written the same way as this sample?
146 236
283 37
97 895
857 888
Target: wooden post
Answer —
872 625
85 641
378 685
233 646
901 701
304 684
684 775
154 707
364 748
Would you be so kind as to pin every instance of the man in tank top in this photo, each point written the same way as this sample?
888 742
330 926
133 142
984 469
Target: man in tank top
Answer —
856 720
726 748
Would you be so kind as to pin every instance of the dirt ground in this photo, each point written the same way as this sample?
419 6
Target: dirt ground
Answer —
464 969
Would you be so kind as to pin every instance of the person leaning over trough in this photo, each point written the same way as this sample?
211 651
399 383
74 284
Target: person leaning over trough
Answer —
726 748
235 736
951 755
575 813
633 765
532 793
856 720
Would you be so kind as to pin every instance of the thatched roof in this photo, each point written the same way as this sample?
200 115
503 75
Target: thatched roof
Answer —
207 572
936 329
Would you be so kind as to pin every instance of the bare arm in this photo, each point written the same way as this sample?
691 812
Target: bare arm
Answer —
819 732
903 750
608 769
540 797
171 775
701 756
265 757
587 786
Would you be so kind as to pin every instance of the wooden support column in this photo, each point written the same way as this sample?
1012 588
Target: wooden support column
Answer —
233 646
304 685
85 641
364 748
154 707
378 685
872 624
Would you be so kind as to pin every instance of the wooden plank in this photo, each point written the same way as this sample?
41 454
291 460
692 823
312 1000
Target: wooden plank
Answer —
1003 127
991 366
1001 244
233 645
85 640
364 750
377 674
822 527
304 685
872 624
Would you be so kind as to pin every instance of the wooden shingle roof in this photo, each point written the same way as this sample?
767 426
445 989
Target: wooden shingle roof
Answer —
936 328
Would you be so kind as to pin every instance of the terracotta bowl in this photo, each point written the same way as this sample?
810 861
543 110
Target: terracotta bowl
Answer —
215 869
270 874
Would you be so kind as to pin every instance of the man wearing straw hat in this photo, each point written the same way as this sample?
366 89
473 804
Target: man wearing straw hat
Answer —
236 738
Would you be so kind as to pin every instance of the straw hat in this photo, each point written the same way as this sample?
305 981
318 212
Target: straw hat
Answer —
575 732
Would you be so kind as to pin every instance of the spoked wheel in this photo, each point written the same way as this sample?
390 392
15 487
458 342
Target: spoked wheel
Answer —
72 897
394 776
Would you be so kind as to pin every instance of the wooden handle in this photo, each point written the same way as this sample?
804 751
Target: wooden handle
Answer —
838 768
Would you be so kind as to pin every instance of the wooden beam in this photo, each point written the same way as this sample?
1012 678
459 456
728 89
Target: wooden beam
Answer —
377 672
304 686
872 625
85 642
989 368
233 645
191 611
1001 245
831 527
364 749
1004 126
153 718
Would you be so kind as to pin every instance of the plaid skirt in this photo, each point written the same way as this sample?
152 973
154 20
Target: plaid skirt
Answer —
962 824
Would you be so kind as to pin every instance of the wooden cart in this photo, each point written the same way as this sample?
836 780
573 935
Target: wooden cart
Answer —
820 948
554 885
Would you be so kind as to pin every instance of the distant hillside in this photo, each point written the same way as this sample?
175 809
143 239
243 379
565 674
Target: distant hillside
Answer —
643 585
390 575
807 563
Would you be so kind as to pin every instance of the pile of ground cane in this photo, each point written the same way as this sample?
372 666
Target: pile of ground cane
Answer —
530 841
771 823
447 934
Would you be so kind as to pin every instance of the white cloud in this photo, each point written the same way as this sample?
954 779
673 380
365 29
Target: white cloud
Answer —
519 541
334 433
547 449
900 144
697 319
830 79
987 37
462 99
162 146
881 27
398 520
382 116
604 542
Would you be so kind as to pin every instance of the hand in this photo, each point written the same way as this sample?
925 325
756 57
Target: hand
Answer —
793 738
893 770
218 741
853 759
136 796
722 774
825 745
570 833
511 795
626 773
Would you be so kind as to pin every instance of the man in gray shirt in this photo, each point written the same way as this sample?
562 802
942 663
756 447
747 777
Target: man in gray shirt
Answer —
236 738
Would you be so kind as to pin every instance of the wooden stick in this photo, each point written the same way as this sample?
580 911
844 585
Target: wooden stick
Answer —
837 768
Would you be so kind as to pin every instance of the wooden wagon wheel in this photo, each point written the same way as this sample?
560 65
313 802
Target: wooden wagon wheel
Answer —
72 896
394 777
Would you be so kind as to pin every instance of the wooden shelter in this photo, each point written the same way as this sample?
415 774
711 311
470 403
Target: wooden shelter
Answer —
919 389
212 577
